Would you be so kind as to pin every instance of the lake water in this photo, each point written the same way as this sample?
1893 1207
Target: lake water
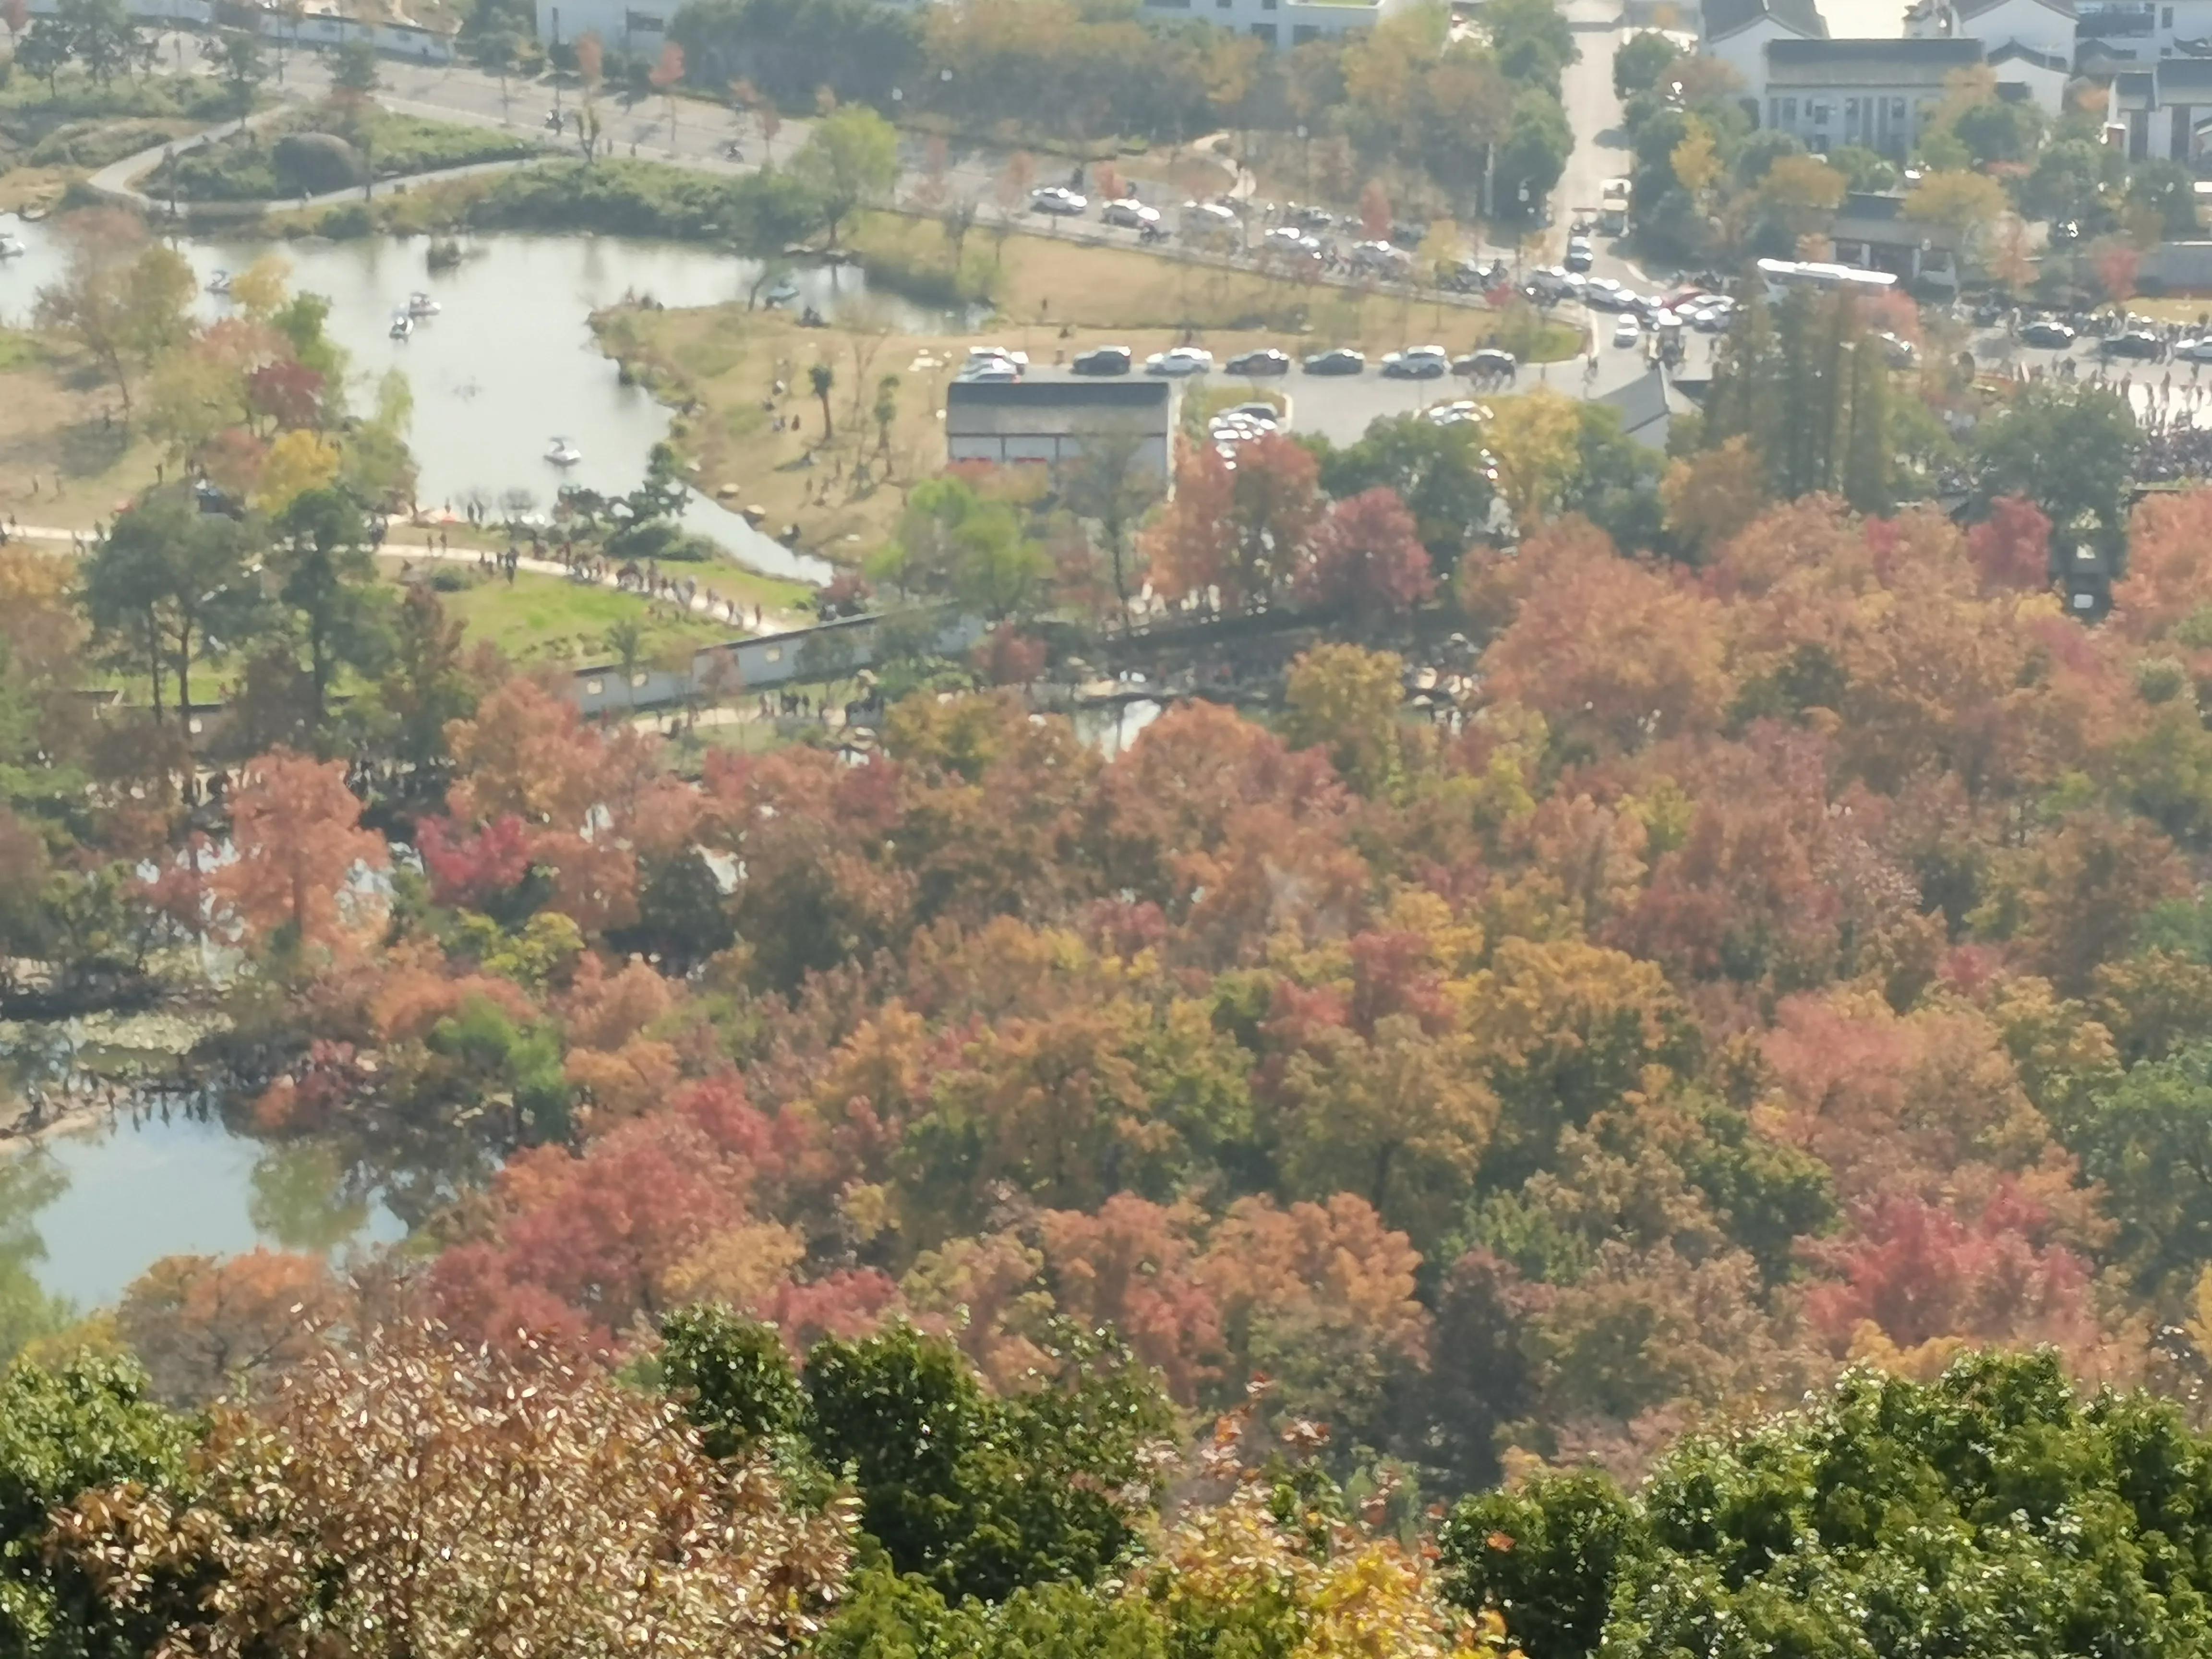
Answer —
510 362
87 1213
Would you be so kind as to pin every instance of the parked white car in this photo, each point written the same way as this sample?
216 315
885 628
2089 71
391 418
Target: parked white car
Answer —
1180 360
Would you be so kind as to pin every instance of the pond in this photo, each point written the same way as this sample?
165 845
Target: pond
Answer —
84 1214
509 362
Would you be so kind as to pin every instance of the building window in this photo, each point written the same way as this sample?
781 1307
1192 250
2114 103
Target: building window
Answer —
2165 17
1790 111
1302 33
1817 112
1897 109
645 22
1268 5
1264 31
636 681
593 688
775 653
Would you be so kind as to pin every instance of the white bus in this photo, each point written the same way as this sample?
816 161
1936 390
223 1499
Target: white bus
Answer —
1781 275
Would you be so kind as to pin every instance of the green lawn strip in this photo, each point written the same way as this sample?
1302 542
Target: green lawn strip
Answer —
551 619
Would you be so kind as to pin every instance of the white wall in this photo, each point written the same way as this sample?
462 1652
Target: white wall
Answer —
2046 86
2026 21
422 45
1889 118
1745 51
1283 23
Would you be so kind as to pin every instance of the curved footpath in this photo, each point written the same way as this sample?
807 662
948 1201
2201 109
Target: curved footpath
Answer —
117 180
402 542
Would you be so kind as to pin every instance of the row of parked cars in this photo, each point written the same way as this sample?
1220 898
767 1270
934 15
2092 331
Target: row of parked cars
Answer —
1065 203
1422 362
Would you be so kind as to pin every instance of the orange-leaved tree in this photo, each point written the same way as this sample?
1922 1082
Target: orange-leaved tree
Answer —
295 829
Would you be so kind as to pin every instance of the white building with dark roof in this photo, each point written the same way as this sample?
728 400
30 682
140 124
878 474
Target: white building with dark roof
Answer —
1737 32
2044 27
1048 419
2163 109
1873 93
1276 22
2112 33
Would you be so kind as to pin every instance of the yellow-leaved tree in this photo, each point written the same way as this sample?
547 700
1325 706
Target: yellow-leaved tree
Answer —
298 461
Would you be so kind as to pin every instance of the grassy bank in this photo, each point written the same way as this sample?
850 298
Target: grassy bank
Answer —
552 620
52 137
619 198
258 165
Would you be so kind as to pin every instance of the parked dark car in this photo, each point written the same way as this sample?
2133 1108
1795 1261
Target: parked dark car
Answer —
2046 334
2135 343
1342 360
1491 360
1102 360
1267 361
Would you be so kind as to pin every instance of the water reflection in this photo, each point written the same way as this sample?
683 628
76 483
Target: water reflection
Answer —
28 1309
301 1199
1111 728
82 1215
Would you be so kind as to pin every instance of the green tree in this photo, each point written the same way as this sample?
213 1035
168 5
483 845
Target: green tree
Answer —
2068 449
1438 471
424 688
978 1495
101 35
326 576
354 69
27 1184
2148 1139
84 1424
955 541
1641 62
1807 387
734 1377
2168 190
170 586
1864 1521
2068 184
239 62
44 50
850 158
1533 152
1534 42
1548 1552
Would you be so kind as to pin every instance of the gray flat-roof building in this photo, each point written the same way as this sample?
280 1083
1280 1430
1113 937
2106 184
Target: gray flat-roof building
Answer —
1050 419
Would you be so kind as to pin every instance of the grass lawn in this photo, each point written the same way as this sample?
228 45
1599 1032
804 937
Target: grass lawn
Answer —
552 620
63 461
717 364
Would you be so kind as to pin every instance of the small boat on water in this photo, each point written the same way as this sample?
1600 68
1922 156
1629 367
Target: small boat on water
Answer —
421 305
783 292
220 282
402 326
562 453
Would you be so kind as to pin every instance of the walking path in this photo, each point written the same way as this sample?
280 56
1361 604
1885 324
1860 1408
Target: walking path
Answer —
414 543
